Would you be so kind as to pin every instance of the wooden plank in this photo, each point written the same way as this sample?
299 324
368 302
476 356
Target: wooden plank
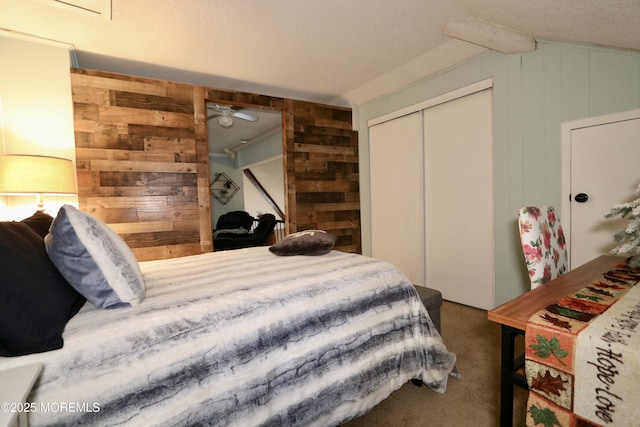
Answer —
125 202
141 191
129 179
336 207
142 227
111 215
88 112
167 238
324 186
142 166
150 253
93 126
108 140
333 157
110 114
318 198
327 149
131 155
157 212
151 102
244 99
330 225
172 145
348 248
90 96
108 81
162 130
311 165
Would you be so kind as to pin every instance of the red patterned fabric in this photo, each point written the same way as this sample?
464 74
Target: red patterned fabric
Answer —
543 244
581 355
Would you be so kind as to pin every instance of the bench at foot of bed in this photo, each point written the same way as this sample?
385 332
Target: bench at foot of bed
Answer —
432 300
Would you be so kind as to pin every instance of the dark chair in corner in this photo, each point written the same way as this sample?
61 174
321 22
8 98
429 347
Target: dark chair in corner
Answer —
235 220
259 236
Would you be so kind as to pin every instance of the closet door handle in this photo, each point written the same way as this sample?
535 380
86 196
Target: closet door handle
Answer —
581 197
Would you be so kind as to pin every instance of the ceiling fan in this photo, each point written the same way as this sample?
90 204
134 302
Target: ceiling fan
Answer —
227 113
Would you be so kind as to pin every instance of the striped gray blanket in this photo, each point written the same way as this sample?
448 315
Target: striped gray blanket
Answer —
243 338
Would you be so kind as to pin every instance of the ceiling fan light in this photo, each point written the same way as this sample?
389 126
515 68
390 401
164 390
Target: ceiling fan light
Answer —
225 120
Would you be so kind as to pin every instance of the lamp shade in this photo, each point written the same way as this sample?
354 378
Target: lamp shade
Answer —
26 174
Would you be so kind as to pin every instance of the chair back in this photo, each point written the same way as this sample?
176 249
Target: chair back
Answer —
266 224
543 244
234 219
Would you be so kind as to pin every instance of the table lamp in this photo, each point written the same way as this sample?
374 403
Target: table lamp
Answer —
22 174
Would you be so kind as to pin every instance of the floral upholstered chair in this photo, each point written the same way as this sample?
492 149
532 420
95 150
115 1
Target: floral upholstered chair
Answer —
543 244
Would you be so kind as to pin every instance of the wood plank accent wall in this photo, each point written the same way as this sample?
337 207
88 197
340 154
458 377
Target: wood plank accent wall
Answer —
323 172
143 165
137 162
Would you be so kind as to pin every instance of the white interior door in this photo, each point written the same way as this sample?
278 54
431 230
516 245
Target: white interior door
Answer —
604 156
397 224
459 199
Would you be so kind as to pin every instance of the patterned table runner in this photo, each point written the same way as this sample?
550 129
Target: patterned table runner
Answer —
583 355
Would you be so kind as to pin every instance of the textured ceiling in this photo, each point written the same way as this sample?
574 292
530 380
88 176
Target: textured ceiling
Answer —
614 23
335 51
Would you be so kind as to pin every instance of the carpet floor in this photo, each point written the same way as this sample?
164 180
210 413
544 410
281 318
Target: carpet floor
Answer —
472 400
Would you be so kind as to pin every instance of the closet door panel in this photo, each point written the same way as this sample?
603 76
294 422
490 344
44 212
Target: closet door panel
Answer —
397 194
459 199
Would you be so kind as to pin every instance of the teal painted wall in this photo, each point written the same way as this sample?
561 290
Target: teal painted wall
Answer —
533 94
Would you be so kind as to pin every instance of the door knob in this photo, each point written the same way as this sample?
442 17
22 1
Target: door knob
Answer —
581 197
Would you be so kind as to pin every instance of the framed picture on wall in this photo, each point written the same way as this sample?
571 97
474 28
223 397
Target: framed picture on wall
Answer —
222 188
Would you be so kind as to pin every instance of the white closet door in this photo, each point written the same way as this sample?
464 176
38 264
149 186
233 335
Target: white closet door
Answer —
397 194
604 166
459 199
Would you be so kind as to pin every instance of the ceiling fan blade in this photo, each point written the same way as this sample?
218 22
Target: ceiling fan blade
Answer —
219 110
244 116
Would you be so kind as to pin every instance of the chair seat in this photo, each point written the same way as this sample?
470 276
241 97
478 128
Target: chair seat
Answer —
259 236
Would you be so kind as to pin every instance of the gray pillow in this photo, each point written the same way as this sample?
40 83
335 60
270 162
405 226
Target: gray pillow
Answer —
94 259
308 242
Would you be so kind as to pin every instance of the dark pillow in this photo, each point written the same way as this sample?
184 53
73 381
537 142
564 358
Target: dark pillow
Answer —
308 242
39 222
35 300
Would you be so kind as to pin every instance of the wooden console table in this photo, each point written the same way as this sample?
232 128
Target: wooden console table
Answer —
513 317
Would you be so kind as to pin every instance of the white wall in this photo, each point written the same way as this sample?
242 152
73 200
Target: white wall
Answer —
36 111
270 174
533 94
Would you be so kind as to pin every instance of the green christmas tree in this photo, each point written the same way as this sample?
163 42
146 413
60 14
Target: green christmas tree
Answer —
629 238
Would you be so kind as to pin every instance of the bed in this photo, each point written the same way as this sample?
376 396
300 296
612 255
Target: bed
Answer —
243 337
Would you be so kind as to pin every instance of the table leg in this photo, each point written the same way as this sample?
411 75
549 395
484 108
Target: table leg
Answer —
508 377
